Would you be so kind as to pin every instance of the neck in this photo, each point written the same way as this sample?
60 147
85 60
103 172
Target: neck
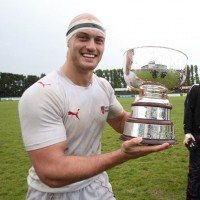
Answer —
81 78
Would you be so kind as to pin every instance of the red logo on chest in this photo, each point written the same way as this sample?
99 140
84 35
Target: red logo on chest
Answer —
74 113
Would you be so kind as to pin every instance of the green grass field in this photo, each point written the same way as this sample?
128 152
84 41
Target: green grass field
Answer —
160 175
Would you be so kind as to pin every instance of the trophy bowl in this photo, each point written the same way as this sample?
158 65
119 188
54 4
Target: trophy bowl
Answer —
153 71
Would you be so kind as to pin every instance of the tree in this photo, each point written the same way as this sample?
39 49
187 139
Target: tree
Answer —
188 82
196 74
11 85
42 75
30 80
192 74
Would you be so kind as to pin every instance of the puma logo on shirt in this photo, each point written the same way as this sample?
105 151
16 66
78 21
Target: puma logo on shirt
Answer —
43 84
74 113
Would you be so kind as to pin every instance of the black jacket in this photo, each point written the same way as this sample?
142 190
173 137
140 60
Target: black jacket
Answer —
192 111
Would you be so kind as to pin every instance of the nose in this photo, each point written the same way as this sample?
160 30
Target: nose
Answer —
91 45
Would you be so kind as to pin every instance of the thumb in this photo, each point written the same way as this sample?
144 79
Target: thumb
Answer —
133 142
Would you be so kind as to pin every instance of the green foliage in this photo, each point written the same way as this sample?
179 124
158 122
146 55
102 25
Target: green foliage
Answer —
192 75
196 74
114 76
13 85
159 176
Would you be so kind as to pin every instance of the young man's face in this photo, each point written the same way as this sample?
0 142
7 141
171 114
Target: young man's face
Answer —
86 48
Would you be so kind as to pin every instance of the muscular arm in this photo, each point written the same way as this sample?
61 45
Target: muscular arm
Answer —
56 169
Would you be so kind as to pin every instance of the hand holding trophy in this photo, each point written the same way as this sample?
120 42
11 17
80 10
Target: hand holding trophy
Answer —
153 71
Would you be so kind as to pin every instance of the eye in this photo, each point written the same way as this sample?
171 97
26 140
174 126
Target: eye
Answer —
82 37
99 40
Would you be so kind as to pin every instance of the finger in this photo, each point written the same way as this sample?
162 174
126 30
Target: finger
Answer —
185 141
145 150
134 141
129 145
193 137
164 146
155 148
188 136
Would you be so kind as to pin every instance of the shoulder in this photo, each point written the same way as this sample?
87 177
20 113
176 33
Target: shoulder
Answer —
194 93
47 88
48 82
194 87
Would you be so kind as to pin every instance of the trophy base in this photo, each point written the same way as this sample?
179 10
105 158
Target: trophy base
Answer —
151 141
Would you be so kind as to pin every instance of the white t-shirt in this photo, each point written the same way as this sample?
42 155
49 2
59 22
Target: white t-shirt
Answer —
54 109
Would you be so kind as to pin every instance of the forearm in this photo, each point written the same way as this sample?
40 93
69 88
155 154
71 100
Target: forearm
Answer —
56 169
70 169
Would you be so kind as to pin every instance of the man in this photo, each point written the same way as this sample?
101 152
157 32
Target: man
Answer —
62 119
192 130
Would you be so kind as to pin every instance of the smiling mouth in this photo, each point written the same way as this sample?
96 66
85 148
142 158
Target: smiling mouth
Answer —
89 55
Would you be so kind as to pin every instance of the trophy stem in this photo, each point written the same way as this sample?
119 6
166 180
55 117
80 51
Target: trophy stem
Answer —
153 90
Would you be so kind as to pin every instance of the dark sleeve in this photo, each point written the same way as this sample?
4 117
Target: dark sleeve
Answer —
189 109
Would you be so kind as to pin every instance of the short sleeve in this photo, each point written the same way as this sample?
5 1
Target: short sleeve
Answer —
115 108
40 113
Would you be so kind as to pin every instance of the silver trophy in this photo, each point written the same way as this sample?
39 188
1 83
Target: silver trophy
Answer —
153 71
